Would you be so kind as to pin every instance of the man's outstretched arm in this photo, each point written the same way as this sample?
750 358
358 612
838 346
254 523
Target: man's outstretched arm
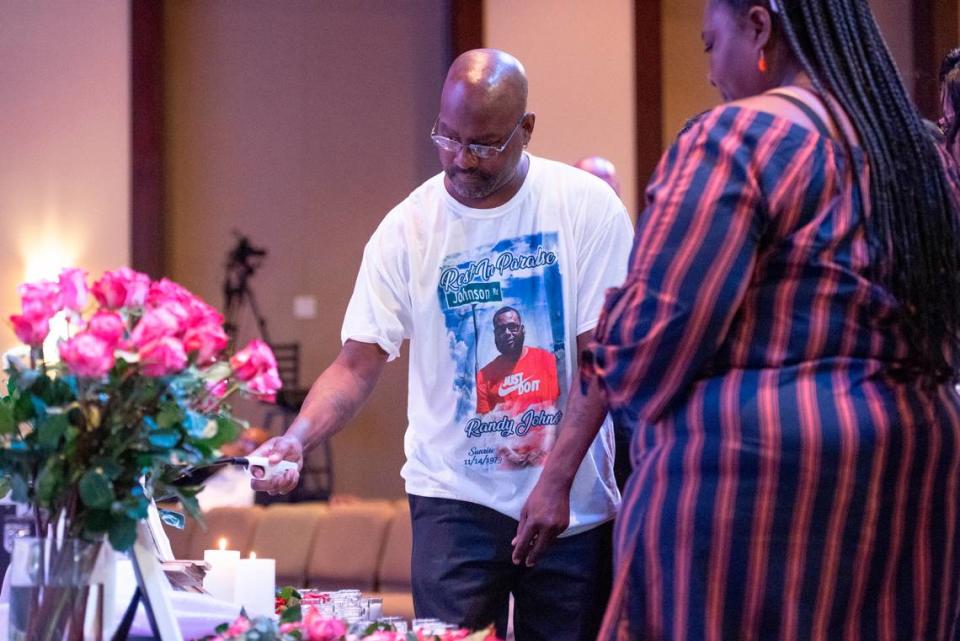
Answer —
335 397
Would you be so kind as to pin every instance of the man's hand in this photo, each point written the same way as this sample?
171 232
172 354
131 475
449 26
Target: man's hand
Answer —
279 448
544 517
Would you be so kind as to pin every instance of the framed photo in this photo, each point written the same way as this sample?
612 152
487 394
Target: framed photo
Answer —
154 586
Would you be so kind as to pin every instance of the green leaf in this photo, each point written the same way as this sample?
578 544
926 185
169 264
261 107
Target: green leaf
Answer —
7 424
291 614
98 521
123 533
170 415
20 492
135 506
23 408
39 407
164 438
227 431
50 431
96 490
288 592
110 469
190 504
216 372
195 423
49 481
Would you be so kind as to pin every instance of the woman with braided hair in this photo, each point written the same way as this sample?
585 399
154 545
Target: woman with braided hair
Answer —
786 347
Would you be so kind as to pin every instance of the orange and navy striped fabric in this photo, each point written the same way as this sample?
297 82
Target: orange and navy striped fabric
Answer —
792 479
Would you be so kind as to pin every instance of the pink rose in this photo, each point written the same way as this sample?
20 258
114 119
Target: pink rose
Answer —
31 329
218 389
215 394
206 340
190 309
385 635
108 326
73 289
165 290
256 358
163 356
122 287
154 324
40 298
322 628
240 626
87 355
264 386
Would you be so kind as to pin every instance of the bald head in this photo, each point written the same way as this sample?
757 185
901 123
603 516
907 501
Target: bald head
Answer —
483 127
485 79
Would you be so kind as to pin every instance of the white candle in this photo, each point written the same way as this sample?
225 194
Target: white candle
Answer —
221 577
256 585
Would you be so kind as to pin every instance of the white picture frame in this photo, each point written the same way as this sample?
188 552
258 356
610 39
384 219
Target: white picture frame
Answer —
154 586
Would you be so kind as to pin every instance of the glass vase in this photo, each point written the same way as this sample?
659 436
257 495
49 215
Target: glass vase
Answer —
50 586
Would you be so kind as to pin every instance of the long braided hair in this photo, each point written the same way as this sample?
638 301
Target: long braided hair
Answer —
912 227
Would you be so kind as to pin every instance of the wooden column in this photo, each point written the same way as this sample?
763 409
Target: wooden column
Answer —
146 137
648 56
466 26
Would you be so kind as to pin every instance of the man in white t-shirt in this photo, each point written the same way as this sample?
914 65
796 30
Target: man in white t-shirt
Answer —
506 498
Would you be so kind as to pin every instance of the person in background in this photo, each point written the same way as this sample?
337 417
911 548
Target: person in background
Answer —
497 228
607 172
602 169
786 345
950 102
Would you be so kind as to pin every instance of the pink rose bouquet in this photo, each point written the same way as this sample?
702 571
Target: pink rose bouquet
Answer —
313 626
140 388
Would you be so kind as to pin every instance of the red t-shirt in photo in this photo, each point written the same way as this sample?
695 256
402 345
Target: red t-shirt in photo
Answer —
517 385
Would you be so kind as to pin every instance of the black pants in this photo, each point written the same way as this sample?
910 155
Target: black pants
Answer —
463 574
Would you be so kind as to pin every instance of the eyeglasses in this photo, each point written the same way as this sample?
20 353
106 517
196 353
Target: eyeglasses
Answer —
478 151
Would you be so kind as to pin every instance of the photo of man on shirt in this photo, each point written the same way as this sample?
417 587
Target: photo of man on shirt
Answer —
521 376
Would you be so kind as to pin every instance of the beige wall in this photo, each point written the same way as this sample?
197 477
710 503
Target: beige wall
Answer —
579 60
301 124
685 87
64 127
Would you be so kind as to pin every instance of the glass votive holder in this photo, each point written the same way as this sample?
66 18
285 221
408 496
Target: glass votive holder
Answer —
350 613
374 608
399 624
424 624
344 601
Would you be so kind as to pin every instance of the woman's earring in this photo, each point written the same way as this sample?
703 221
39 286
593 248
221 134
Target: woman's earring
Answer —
762 62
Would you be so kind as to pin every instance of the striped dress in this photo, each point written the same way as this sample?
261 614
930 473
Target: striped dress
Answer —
791 478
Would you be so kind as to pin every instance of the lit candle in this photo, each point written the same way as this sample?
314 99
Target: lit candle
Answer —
220 579
256 584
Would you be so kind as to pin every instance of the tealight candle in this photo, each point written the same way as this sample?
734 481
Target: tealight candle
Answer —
256 585
221 578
